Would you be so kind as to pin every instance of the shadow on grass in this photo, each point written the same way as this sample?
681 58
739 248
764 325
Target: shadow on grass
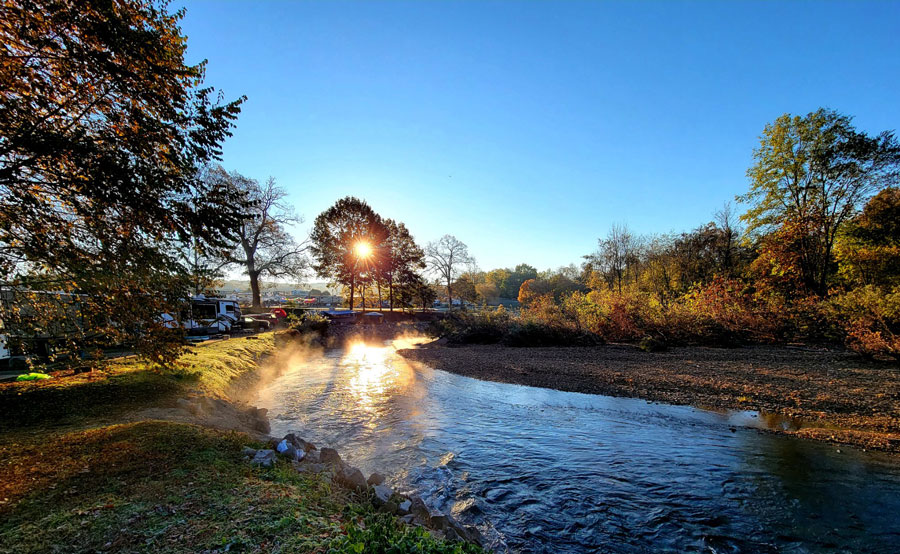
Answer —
84 397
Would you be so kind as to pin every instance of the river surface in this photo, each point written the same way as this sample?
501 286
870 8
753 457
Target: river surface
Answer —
540 470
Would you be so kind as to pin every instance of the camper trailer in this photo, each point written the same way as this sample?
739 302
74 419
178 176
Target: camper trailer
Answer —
208 316
4 352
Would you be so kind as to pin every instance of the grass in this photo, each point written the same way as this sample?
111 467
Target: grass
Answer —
74 478
127 385
166 487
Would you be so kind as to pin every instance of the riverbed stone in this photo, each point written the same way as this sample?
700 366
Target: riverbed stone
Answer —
264 458
248 452
383 494
375 479
331 456
299 443
352 477
418 507
439 521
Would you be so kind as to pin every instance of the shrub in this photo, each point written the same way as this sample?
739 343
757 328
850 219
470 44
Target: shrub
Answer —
311 323
483 327
870 318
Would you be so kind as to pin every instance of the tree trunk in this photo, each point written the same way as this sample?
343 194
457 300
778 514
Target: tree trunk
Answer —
352 288
254 289
362 294
449 296
391 293
378 284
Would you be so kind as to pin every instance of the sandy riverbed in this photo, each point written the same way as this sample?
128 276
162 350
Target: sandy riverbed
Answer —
835 396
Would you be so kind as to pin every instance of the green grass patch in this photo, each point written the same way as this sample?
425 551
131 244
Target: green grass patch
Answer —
166 487
128 385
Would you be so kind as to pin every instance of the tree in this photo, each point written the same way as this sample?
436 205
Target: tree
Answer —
402 257
810 175
519 275
447 257
347 240
868 250
102 129
617 256
264 247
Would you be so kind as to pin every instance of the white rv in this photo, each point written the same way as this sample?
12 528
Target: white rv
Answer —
4 352
212 316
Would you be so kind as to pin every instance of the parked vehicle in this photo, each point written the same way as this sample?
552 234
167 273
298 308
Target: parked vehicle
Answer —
4 351
210 316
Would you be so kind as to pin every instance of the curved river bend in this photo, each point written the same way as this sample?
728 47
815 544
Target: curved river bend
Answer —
540 470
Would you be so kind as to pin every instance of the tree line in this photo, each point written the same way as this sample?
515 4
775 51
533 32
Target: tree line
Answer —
112 200
815 257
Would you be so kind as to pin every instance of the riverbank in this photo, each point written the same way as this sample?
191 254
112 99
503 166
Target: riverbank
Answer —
817 394
139 459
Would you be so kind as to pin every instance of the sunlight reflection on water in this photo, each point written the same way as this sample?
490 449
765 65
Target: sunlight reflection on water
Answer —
565 472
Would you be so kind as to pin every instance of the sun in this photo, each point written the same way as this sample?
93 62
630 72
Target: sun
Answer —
363 249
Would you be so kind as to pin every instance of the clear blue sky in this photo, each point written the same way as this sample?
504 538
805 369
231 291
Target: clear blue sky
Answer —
527 129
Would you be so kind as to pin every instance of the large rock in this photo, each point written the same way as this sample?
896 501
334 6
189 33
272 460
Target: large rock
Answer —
264 458
353 478
331 456
290 451
405 507
383 494
375 479
299 443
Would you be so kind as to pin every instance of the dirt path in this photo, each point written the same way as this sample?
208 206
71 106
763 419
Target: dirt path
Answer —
834 396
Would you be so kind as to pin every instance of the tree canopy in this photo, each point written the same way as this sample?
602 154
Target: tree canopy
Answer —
102 129
810 174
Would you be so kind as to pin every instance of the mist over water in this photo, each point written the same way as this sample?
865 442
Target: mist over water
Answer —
540 470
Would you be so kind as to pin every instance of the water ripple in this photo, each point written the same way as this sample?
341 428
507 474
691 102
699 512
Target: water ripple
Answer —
547 471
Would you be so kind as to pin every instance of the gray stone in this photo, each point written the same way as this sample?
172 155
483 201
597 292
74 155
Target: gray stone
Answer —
405 507
331 456
452 535
299 443
375 479
383 494
419 508
439 521
312 457
292 453
264 458
247 451
353 478
408 519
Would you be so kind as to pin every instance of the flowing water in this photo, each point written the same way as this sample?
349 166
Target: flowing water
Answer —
539 470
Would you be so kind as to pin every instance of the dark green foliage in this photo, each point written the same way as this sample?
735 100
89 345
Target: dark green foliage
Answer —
383 534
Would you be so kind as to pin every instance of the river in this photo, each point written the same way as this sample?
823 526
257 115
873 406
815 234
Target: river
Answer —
540 470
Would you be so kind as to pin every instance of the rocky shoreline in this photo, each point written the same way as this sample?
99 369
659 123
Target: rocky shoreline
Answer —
826 395
305 457
232 412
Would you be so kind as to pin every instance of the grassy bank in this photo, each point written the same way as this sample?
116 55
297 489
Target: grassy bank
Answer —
167 487
128 385
78 475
